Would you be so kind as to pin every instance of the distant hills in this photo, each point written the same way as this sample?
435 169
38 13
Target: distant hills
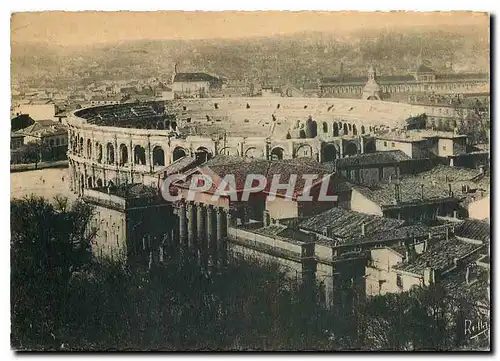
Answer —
299 59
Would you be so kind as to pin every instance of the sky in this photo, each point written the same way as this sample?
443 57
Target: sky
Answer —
84 28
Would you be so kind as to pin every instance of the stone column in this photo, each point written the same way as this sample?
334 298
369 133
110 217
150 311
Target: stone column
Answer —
191 225
182 224
220 215
210 246
210 225
200 219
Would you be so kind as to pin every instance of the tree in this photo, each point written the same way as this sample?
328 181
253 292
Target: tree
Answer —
47 246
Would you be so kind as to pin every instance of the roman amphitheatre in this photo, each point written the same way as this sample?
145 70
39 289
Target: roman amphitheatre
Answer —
125 143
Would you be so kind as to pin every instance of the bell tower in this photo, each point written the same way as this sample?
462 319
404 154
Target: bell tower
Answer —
371 73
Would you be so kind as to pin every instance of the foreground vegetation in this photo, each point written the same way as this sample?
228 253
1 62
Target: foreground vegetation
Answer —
62 299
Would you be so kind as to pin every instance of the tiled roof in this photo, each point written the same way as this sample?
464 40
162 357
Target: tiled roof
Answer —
132 190
400 233
193 77
435 186
43 128
476 290
241 167
439 256
395 78
388 157
474 229
180 165
346 224
344 79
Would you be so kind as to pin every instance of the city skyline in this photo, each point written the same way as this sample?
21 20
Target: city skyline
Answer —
86 28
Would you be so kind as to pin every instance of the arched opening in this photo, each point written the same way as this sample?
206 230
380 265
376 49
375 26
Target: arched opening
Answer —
345 129
110 151
362 129
349 126
203 154
158 156
302 134
90 184
370 147
311 128
303 151
99 183
354 129
325 127
82 183
173 125
251 152
80 146
139 155
374 97
351 149
329 153
89 149
335 129
178 153
277 153
99 152
123 154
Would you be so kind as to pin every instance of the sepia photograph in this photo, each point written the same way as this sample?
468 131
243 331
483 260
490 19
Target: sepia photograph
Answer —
250 181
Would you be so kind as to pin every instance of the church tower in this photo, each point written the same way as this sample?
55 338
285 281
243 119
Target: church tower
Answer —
371 89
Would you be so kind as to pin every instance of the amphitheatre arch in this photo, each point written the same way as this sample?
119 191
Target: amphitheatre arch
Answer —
178 153
252 152
354 130
99 183
304 150
329 153
139 155
346 131
362 129
89 149
203 154
370 147
325 127
99 152
277 153
335 129
123 154
80 146
110 151
229 151
351 149
158 156
90 184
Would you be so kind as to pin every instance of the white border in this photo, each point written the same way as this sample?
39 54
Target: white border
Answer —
31 5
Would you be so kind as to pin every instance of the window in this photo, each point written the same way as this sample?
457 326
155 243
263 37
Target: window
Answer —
393 144
385 144
444 147
399 281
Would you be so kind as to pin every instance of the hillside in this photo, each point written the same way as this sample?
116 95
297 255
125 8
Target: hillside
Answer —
297 58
